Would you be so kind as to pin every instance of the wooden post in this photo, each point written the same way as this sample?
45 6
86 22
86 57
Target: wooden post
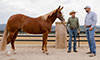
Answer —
61 35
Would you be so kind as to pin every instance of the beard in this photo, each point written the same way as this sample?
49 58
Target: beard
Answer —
87 11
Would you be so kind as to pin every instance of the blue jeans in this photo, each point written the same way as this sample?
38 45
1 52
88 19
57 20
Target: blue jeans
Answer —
72 33
91 41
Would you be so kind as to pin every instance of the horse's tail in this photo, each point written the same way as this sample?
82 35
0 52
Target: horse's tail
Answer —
4 40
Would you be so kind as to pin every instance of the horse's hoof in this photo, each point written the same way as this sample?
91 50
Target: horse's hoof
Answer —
13 52
42 49
43 52
8 53
47 53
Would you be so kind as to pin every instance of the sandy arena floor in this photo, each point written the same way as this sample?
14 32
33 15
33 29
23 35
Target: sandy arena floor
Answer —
33 52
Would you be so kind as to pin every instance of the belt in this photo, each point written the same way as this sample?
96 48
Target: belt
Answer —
72 28
88 26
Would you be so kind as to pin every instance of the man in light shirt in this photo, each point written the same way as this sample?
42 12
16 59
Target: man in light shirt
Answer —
90 23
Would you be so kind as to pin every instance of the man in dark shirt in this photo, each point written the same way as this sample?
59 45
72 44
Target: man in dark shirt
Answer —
73 24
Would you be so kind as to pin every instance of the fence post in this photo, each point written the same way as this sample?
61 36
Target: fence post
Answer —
61 35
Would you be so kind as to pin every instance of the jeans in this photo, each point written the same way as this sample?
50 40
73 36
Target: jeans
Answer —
72 33
91 41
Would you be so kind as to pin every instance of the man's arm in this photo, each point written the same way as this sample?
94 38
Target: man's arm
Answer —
94 20
85 22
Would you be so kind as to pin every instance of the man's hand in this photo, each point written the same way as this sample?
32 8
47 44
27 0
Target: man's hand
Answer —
84 25
78 32
90 29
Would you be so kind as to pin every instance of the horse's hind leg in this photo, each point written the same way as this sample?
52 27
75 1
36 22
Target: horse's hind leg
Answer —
13 41
9 38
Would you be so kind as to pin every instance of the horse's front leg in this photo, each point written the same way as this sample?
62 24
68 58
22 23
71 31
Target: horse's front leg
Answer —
43 46
45 36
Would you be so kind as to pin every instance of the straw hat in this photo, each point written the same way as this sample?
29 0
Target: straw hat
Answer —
72 12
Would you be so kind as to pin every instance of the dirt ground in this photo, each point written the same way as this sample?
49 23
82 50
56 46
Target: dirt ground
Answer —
33 52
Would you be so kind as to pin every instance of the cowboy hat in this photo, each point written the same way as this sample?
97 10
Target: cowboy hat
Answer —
72 12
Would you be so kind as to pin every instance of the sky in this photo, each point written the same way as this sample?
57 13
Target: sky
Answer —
35 8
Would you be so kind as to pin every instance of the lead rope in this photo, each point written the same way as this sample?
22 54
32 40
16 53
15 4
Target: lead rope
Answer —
64 25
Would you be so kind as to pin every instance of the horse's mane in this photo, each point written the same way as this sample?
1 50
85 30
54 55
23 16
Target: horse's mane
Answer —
48 14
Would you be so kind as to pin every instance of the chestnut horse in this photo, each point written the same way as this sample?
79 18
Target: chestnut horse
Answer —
39 25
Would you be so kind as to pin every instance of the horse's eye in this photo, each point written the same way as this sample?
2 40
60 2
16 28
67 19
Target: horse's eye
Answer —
60 12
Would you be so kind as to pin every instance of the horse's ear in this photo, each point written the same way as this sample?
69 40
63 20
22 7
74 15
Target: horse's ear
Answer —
61 8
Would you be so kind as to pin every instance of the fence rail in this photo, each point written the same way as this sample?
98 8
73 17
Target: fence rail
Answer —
52 35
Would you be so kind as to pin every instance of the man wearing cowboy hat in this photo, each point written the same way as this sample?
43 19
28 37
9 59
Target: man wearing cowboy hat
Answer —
90 23
73 24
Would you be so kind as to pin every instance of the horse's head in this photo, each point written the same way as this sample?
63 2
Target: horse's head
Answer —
53 15
59 14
